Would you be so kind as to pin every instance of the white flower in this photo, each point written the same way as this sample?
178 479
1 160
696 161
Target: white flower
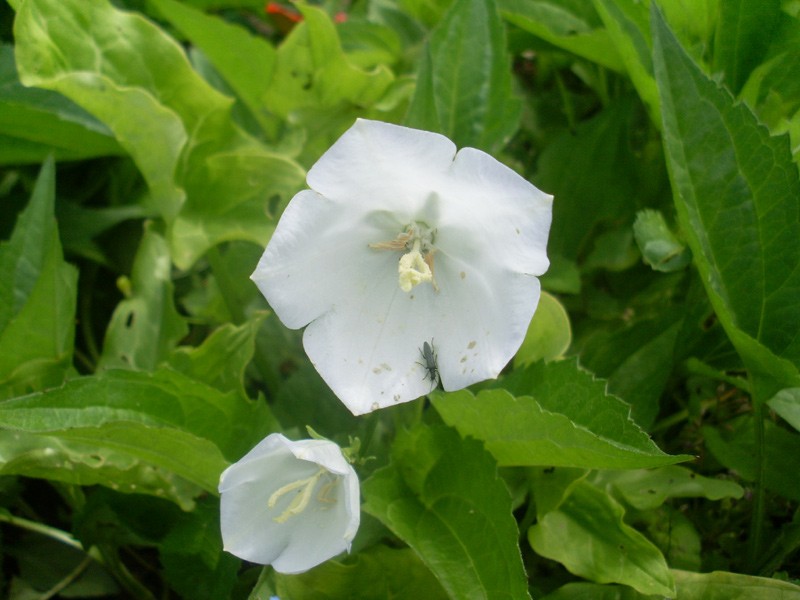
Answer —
400 241
290 504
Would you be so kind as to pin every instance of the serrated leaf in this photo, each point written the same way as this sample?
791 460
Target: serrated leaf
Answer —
145 326
569 421
38 292
378 574
573 26
588 536
441 495
735 190
464 81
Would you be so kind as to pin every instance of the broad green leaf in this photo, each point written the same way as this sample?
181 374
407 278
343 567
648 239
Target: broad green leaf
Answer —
637 359
376 574
734 447
221 359
145 326
736 190
549 333
165 399
315 85
125 456
588 536
571 25
208 179
441 495
464 80
38 293
787 404
245 61
645 490
627 25
195 564
718 585
721 585
84 49
35 123
569 421
550 486
744 32
595 176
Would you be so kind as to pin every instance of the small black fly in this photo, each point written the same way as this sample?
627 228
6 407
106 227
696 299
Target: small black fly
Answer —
429 363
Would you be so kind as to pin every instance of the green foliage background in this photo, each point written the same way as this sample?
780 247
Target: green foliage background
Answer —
147 149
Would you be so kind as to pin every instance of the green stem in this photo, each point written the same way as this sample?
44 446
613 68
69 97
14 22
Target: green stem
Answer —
72 576
569 108
757 520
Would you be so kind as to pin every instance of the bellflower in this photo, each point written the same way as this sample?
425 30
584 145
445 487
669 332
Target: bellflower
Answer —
290 504
400 241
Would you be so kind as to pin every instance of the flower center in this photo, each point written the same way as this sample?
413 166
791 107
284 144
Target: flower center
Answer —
302 498
416 264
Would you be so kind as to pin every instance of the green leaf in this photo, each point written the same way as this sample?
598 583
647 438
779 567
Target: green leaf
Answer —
164 399
744 32
569 421
38 293
221 359
464 80
208 179
787 404
145 326
658 245
593 173
735 448
195 564
441 495
637 359
35 123
571 25
721 585
316 83
627 25
549 333
648 489
83 49
377 574
588 536
245 61
736 190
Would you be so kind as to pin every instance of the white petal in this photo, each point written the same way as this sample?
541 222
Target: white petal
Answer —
368 350
487 209
322 530
481 316
319 256
383 166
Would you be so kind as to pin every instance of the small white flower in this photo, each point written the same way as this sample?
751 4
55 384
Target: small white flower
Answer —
400 241
290 504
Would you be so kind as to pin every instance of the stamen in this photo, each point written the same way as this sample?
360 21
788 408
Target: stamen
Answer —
300 501
416 265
